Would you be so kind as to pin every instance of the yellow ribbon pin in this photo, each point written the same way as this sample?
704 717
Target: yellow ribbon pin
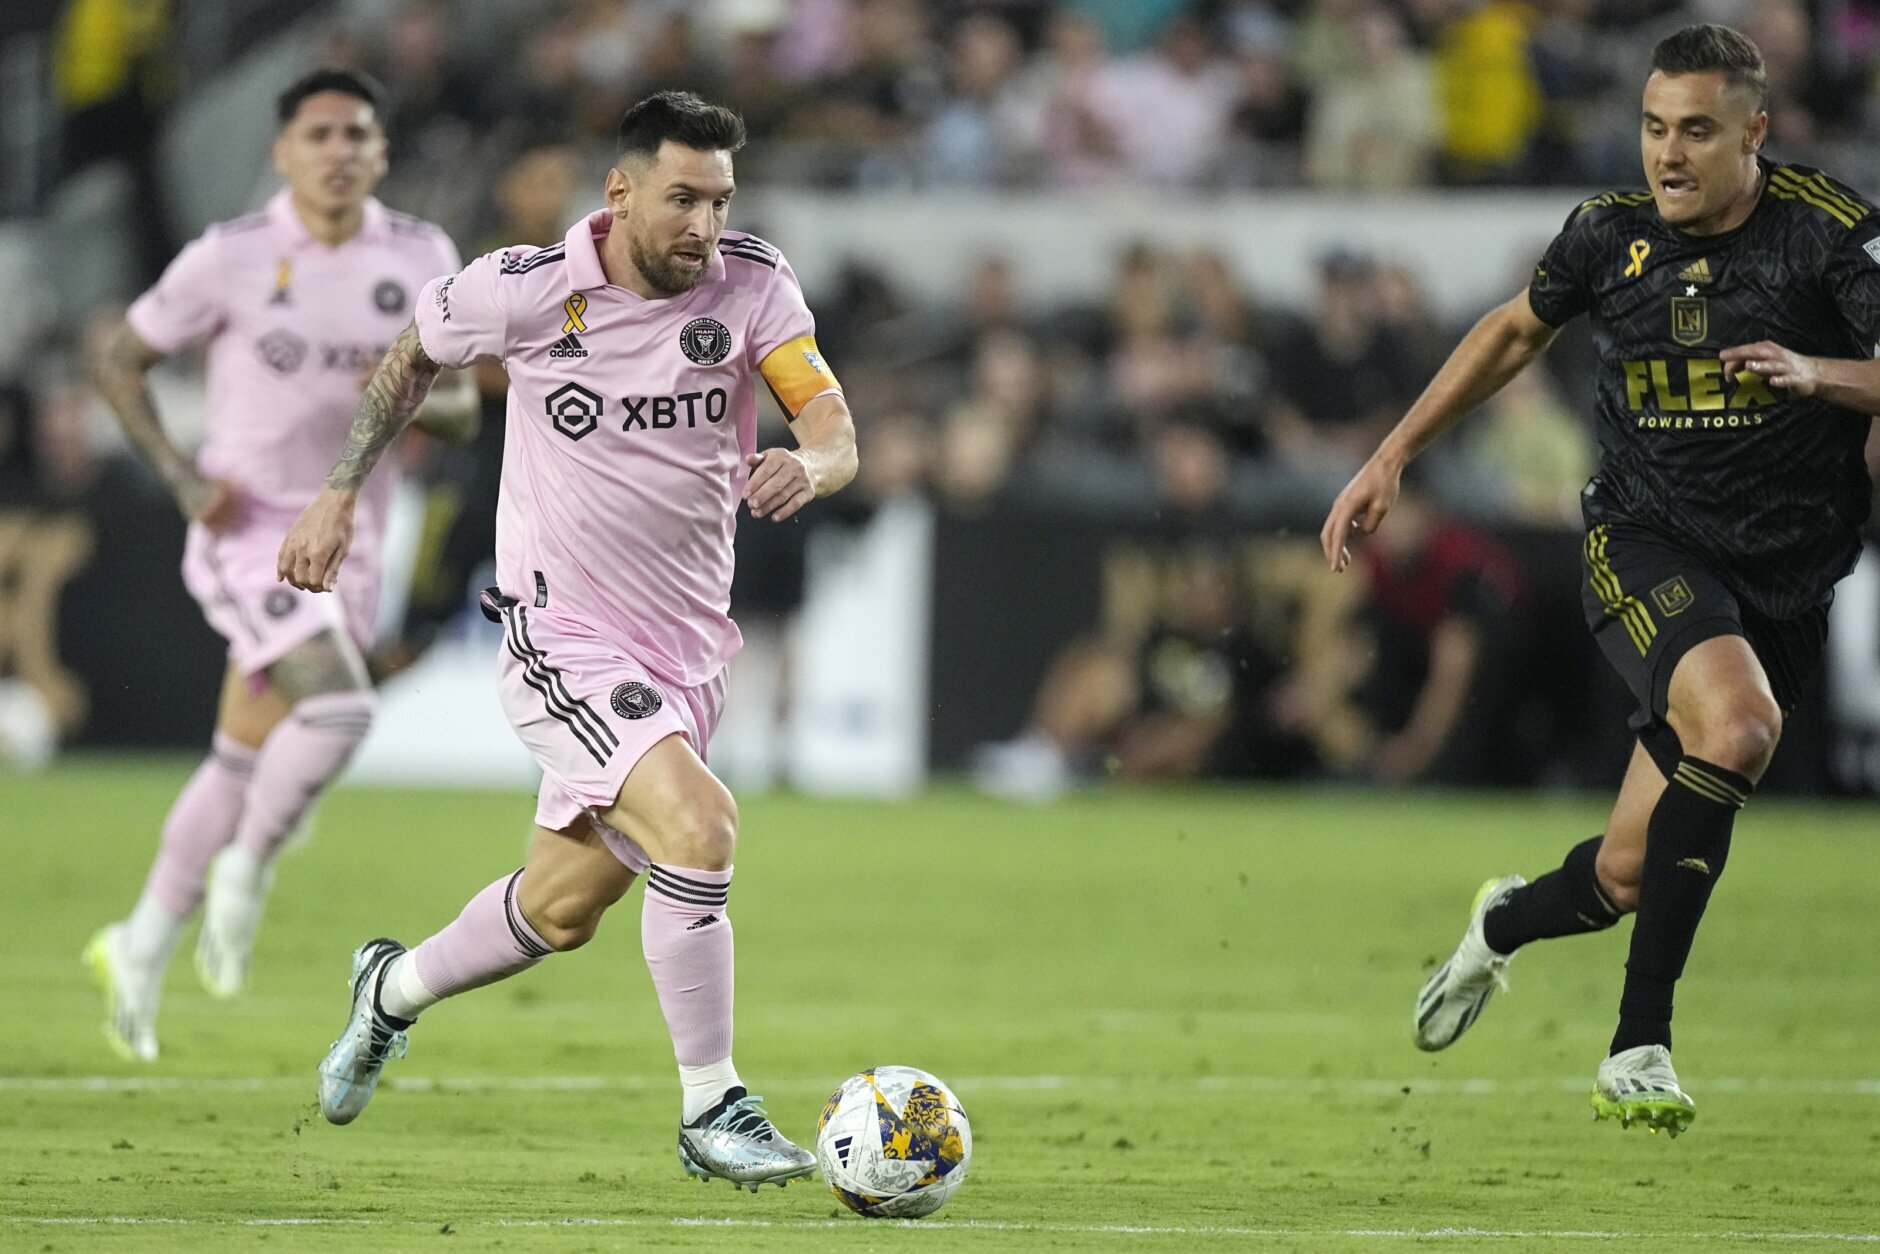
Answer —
1640 250
576 305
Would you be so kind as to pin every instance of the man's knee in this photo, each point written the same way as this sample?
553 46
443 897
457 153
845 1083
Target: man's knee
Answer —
1739 735
1619 869
703 835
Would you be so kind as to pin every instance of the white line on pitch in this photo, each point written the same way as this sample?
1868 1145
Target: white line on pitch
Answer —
960 1225
1280 1086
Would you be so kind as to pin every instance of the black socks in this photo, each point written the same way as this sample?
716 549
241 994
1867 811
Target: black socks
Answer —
1686 845
1566 901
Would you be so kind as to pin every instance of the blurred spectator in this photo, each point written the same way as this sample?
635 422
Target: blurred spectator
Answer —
1488 93
1373 124
968 140
1267 130
1529 455
1343 379
1180 139
1185 688
1441 692
754 83
113 76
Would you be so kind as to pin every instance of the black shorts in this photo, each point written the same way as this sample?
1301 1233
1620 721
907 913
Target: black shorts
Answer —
1648 603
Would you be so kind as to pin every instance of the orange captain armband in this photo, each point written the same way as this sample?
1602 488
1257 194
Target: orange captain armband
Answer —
797 374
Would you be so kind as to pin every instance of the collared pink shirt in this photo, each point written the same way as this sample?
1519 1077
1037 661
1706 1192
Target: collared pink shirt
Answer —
629 420
292 327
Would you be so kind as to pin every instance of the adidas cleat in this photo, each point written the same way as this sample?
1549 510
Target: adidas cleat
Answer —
130 1004
1452 999
1639 1086
736 1141
231 915
350 1071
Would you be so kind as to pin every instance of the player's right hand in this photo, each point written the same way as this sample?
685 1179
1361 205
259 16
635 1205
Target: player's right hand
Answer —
1360 508
318 542
215 503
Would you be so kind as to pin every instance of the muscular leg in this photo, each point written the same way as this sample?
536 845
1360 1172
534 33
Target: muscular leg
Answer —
1727 719
314 710
553 904
687 822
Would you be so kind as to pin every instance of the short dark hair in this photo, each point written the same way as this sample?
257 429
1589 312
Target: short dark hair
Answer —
683 118
1708 47
348 82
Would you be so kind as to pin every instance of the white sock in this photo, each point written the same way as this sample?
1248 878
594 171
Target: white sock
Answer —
150 936
242 872
705 1086
402 994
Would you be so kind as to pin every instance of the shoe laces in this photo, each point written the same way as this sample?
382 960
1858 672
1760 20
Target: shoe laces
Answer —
745 1117
383 1043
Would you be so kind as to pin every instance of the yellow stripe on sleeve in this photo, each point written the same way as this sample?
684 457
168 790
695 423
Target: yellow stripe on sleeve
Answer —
797 374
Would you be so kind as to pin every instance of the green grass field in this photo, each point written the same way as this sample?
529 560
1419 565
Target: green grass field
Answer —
1179 1020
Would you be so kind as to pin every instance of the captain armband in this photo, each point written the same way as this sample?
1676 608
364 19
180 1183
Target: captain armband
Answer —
797 374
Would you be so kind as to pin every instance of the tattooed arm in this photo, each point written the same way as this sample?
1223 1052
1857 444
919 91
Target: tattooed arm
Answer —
120 368
321 537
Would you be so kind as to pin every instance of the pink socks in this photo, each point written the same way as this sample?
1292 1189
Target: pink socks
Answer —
686 936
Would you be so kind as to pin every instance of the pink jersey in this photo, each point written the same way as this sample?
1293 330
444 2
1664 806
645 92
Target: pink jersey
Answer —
629 420
293 327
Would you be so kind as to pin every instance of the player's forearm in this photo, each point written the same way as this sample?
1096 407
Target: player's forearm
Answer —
452 412
120 371
825 435
390 402
1849 383
1494 351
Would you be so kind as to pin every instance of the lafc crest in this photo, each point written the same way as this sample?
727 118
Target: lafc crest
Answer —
1690 319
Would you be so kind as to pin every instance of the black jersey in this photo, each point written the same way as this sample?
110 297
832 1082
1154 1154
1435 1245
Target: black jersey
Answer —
1768 488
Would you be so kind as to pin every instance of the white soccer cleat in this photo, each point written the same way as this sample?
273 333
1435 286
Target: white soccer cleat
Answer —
1453 997
1638 1086
231 916
130 998
350 1071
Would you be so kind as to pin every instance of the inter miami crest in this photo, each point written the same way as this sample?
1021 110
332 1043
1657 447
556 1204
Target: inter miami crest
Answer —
636 700
279 603
706 341
389 296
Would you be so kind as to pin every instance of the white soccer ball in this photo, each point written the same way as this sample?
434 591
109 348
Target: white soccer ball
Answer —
893 1143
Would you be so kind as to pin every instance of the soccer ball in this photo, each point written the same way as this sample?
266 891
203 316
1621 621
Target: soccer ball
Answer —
893 1143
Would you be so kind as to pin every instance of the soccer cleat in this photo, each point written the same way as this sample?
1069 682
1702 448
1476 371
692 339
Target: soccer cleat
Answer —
1453 998
736 1141
231 915
130 1003
1639 1086
350 1071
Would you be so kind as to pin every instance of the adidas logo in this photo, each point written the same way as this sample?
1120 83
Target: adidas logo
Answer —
567 346
1695 864
707 921
1697 272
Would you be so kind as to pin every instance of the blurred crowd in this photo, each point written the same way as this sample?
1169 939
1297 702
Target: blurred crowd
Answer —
1181 401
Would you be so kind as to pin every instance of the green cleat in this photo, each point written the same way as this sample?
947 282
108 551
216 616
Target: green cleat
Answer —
1639 1086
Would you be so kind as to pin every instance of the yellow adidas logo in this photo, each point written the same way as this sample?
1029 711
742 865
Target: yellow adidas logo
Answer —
1697 272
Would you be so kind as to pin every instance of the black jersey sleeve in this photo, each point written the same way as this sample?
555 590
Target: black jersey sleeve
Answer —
1561 289
1853 278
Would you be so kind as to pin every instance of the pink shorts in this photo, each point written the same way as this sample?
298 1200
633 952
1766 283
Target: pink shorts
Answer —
589 711
232 576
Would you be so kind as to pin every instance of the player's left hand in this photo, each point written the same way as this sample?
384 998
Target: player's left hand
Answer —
780 483
1782 367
